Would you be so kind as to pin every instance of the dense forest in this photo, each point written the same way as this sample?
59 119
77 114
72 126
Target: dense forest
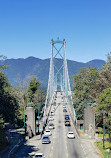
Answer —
13 101
91 86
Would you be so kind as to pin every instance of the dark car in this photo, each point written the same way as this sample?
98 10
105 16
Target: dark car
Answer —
64 110
45 140
67 123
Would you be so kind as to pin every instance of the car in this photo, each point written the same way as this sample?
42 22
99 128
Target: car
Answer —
51 118
70 135
53 110
55 102
51 126
67 117
52 113
64 106
45 139
47 132
64 110
67 123
39 155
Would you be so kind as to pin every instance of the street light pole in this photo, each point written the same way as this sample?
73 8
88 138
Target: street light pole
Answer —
24 116
38 118
103 130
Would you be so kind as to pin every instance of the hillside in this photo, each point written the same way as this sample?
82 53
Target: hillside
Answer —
40 68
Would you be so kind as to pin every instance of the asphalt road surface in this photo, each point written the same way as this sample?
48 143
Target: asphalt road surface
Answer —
60 146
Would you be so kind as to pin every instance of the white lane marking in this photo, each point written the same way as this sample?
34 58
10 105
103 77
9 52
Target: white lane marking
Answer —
83 151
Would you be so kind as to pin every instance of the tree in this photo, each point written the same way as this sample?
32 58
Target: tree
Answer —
2 66
104 103
39 98
104 78
84 82
107 65
8 101
21 91
33 87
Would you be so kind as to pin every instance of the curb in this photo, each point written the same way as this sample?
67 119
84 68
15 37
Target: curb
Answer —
98 150
34 138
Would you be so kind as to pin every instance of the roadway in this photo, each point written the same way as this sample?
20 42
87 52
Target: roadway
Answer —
60 146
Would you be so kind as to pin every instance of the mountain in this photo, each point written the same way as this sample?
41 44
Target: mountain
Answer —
35 66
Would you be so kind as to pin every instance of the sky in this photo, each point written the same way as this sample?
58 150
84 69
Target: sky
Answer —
27 27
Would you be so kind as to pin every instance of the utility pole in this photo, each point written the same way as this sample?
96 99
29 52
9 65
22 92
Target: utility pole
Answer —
103 130
38 119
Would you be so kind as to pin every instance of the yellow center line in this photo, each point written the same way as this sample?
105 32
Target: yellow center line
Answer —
50 155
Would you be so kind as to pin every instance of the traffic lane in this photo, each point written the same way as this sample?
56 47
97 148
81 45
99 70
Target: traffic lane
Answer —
59 147
46 148
33 146
74 145
74 148
59 144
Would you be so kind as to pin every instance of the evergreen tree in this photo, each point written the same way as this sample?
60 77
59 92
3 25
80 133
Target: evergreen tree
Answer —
33 87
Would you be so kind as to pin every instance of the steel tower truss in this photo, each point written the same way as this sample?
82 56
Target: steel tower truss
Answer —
58 74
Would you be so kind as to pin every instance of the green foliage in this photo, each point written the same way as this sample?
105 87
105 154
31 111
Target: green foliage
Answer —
107 65
104 102
103 81
99 144
2 65
39 99
8 101
33 87
83 87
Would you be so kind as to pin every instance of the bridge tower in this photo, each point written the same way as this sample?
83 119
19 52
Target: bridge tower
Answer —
58 75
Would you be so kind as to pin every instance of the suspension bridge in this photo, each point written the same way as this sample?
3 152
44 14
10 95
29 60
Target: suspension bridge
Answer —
58 122
58 79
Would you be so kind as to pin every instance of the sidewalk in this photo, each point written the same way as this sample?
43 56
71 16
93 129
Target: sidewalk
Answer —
89 148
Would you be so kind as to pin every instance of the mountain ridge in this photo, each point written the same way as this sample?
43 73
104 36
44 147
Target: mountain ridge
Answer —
40 67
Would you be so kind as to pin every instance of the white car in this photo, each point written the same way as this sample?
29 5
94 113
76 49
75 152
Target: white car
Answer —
39 155
53 110
51 126
48 133
51 118
52 113
70 134
64 106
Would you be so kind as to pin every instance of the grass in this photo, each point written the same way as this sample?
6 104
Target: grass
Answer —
107 145
101 135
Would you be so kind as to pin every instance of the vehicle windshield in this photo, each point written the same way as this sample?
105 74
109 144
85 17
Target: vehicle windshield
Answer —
71 133
38 156
51 125
45 137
